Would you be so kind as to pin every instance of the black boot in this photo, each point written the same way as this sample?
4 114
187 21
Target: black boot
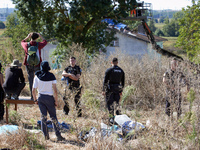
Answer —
60 138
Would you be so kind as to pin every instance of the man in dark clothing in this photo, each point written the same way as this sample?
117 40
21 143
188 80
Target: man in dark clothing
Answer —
174 80
14 80
112 87
32 69
72 74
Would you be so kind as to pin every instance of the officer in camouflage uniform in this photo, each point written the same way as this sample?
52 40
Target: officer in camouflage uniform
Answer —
112 88
72 74
174 80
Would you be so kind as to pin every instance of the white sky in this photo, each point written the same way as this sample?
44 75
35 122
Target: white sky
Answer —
168 4
157 4
4 3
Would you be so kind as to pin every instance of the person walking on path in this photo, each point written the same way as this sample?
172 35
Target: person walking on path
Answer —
112 88
14 80
1 95
45 83
72 74
174 80
31 69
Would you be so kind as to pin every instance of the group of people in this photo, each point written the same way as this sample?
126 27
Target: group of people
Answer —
43 81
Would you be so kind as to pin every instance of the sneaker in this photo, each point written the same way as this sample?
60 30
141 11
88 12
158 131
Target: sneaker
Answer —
60 138
46 137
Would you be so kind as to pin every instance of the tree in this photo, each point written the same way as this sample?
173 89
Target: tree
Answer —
17 30
159 32
189 38
152 25
77 21
162 19
2 25
171 28
166 20
156 20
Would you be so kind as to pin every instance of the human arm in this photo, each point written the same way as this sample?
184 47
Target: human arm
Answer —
34 95
43 43
105 82
71 76
55 94
22 79
41 36
28 36
1 79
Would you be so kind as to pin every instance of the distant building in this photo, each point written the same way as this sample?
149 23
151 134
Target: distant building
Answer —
46 54
134 44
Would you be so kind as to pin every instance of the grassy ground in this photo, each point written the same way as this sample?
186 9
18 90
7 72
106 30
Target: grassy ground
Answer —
159 25
143 101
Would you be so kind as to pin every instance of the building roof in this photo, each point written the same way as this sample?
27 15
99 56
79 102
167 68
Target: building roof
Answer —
143 37
122 28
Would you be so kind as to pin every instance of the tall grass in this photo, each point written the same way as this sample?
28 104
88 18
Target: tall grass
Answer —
143 100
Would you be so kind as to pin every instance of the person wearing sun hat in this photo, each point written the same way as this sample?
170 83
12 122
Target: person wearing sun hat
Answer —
14 80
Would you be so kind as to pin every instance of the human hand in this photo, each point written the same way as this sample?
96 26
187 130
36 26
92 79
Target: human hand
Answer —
36 102
29 35
39 34
56 103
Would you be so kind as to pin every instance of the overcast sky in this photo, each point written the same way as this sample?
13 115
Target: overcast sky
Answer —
157 4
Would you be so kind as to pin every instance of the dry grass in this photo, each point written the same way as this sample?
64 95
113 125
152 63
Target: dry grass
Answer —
146 102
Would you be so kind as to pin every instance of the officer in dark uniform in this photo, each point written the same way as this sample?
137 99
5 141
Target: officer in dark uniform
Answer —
72 74
174 80
112 87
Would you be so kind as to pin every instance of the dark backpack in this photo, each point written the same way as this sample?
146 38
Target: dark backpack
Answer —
32 57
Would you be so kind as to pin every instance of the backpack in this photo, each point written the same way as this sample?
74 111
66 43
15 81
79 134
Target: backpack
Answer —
32 57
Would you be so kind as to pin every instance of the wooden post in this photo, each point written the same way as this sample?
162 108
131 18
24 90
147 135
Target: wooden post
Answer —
20 101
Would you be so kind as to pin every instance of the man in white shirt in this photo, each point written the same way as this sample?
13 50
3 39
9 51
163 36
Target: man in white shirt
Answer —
45 83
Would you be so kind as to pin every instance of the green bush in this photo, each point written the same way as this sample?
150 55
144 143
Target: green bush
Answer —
91 99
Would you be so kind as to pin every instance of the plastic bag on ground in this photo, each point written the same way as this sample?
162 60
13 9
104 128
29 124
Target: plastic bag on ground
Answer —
7 129
121 119
131 127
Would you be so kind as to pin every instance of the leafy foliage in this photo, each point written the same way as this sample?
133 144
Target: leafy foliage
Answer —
152 25
17 30
74 21
189 38
171 28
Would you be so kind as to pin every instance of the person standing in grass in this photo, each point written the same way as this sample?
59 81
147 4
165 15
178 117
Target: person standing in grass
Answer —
45 83
174 80
112 88
72 74
31 69
1 95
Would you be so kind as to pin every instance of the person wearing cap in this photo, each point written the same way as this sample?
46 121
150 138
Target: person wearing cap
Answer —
112 88
33 42
1 95
73 74
14 80
45 83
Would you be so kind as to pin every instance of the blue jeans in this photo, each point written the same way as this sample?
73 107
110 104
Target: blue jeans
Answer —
46 104
31 72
